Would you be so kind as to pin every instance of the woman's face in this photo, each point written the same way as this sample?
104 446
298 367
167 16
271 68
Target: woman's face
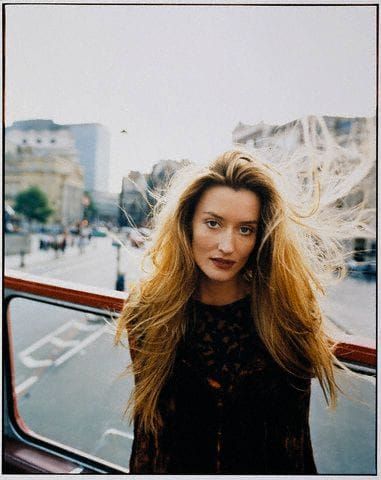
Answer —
224 229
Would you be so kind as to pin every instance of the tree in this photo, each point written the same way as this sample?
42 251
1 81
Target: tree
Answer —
33 204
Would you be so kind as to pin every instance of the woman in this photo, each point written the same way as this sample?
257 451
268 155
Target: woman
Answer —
225 333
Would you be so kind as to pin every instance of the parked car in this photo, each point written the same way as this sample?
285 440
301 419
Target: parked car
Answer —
99 232
367 267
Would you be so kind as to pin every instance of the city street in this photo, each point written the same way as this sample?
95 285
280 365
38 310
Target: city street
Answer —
67 369
350 305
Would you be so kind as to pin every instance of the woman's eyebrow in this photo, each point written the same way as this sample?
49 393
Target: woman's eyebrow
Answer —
221 218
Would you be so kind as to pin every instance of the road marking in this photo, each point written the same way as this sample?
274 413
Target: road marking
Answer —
83 327
90 339
30 362
25 385
46 339
114 431
58 342
52 337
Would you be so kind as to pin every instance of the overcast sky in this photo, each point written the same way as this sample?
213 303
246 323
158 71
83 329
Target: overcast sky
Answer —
180 78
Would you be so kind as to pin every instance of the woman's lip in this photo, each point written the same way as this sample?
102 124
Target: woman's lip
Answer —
221 263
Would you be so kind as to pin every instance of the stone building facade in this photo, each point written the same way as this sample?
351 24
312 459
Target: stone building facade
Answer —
134 206
139 191
43 154
355 135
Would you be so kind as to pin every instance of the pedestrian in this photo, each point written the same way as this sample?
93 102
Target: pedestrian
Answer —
225 333
81 242
64 243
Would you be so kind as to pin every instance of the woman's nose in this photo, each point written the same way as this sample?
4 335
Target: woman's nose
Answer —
226 243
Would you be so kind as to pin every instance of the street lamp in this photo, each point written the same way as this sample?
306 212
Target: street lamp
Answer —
119 275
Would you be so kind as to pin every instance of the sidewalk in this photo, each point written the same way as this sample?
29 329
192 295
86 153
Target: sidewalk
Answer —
45 257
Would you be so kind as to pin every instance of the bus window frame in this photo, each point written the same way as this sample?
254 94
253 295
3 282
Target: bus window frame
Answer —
13 424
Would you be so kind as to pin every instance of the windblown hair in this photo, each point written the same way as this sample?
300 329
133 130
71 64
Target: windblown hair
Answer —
284 270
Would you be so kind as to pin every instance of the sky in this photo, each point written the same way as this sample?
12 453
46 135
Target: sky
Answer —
180 78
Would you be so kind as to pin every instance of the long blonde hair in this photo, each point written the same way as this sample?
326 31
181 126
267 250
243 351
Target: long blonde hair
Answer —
284 270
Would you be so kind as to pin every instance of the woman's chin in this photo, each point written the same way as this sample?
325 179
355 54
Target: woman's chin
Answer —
220 277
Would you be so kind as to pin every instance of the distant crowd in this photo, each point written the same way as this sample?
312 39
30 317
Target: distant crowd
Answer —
59 242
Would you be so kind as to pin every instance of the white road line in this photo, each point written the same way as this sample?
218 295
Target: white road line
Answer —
114 431
45 339
25 385
30 362
58 342
90 339
83 327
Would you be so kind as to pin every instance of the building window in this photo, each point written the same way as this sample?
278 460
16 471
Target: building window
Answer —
38 140
52 140
343 126
24 141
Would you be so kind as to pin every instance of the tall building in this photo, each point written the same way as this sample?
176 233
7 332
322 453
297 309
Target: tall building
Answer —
92 141
43 154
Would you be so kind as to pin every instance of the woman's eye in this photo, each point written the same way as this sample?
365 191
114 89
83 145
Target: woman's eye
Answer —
212 223
246 230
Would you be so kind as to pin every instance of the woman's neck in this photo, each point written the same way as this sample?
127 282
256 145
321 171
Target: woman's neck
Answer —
221 293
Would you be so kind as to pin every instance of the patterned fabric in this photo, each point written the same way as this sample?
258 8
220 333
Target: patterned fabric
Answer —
227 407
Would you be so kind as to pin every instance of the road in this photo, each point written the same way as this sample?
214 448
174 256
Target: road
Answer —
67 370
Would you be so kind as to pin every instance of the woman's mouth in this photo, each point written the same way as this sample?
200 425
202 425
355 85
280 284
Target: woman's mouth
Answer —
222 263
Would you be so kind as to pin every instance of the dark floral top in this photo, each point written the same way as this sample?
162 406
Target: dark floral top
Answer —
227 406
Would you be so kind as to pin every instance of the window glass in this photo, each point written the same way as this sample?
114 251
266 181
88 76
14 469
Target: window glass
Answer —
69 390
67 379
344 439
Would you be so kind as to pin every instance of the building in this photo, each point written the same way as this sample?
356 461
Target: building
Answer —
134 206
107 206
357 132
352 139
356 135
42 153
285 136
139 191
162 172
92 142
